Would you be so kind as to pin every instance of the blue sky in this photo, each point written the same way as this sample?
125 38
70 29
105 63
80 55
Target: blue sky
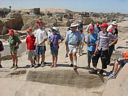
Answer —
75 5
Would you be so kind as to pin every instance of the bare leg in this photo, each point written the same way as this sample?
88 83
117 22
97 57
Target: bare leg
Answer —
42 58
75 59
71 58
55 61
38 59
116 67
52 61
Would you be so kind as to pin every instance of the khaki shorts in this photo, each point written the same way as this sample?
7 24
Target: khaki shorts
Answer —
72 49
31 54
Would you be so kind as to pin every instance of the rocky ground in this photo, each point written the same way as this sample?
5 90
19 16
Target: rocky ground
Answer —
60 81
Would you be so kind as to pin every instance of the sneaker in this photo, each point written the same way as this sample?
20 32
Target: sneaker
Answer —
71 65
93 71
111 76
101 72
75 67
0 66
32 65
42 65
36 65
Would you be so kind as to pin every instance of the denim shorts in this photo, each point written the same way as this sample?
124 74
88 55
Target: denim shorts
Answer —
54 51
40 50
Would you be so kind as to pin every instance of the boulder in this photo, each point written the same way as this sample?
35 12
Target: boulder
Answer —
14 20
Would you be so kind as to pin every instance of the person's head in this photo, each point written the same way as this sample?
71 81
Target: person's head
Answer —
11 32
39 24
114 24
54 30
91 29
104 27
74 27
29 31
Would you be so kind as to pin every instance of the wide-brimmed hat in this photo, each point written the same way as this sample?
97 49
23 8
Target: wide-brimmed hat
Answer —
54 29
74 25
114 23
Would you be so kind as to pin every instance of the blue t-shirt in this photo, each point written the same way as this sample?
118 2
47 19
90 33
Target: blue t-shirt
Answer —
54 38
91 39
73 38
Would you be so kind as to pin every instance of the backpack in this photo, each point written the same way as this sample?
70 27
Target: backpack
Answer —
1 46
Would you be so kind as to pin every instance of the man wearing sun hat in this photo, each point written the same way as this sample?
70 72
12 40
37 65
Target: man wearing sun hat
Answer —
30 42
73 39
41 38
102 48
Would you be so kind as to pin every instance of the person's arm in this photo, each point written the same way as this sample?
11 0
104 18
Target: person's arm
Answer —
97 43
60 39
45 38
114 42
66 38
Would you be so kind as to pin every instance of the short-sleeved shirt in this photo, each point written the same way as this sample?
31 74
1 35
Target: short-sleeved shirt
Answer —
73 38
40 36
54 39
91 39
103 40
112 37
30 41
13 40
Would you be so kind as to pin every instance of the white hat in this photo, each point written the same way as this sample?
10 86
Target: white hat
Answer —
74 25
114 23
55 28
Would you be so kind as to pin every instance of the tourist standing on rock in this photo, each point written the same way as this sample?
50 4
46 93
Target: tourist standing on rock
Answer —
1 49
113 41
90 40
41 38
55 39
14 42
102 50
119 64
30 42
73 39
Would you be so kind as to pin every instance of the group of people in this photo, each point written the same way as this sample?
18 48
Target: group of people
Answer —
100 41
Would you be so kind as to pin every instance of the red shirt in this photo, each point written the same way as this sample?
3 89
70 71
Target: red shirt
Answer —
30 41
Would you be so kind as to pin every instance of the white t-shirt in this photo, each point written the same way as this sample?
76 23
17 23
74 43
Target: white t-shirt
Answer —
40 36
